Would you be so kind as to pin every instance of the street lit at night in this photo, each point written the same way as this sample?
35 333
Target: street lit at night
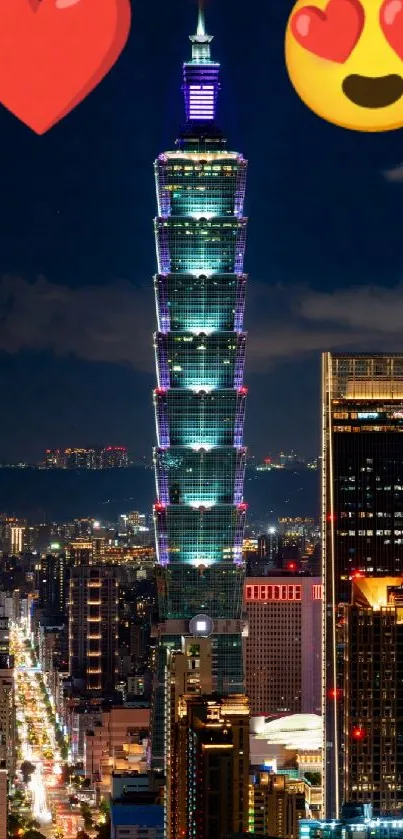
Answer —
46 793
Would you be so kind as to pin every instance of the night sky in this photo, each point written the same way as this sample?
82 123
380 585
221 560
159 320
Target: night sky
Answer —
324 253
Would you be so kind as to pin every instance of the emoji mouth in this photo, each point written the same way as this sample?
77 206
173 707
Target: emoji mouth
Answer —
373 92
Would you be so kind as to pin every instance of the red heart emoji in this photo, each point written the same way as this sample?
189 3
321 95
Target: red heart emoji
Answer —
391 22
332 33
53 53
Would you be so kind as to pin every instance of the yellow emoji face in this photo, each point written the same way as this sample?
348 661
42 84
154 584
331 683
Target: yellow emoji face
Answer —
345 61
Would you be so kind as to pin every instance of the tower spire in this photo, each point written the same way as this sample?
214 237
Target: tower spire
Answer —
201 27
200 76
201 41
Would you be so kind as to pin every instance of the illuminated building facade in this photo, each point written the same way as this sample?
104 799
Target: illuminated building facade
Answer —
106 457
373 691
277 803
210 752
112 457
283 646
79 552
3 804
362 513
12 535
356 824
51 580
93 628
7 714
189 673
200 398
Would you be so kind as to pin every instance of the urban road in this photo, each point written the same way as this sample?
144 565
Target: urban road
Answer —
47 794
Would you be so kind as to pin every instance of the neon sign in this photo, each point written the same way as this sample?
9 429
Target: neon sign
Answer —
273 593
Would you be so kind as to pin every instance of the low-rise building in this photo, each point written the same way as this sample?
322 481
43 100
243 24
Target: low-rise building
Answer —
118 741
358 827
137 811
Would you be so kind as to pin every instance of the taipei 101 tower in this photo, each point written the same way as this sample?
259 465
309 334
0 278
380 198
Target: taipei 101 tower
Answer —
200 398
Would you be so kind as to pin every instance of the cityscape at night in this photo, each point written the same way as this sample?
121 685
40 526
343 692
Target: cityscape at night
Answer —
201 447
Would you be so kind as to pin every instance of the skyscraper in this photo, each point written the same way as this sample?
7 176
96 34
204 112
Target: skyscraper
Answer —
362 513
373 694
93 628
3 803
200 398
210 753
189 673
283 647
7 715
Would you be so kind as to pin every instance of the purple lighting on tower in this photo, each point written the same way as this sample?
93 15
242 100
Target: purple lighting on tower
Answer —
200 78
201 101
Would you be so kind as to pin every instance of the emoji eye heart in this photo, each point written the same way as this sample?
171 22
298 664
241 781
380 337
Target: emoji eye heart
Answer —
331 33
391 22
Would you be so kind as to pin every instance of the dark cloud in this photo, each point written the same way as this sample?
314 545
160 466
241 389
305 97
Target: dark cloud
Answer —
114 323
96 323
362 318
368 310
394 174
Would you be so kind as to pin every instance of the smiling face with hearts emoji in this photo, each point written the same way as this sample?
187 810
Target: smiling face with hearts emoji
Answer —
345 61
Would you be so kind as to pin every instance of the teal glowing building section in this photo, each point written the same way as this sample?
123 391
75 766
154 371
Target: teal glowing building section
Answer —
200 397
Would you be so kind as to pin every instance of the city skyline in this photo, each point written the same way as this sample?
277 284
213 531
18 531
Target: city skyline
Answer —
185 665
323 257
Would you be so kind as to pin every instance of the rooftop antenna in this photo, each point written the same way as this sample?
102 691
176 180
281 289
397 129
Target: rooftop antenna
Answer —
201 28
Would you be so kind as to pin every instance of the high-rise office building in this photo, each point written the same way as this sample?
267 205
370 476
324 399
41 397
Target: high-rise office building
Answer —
93 628
283 645
4 632
268 548
189 673
200 398
3 804
277 803
52 583
7 715
12 533
210 756
373 694
362 513
7 700
79 553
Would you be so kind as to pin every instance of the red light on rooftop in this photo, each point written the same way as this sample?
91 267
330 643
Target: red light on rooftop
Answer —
291 566
160 391
267 460
358 733
243 507
158 506
356 575
243 391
